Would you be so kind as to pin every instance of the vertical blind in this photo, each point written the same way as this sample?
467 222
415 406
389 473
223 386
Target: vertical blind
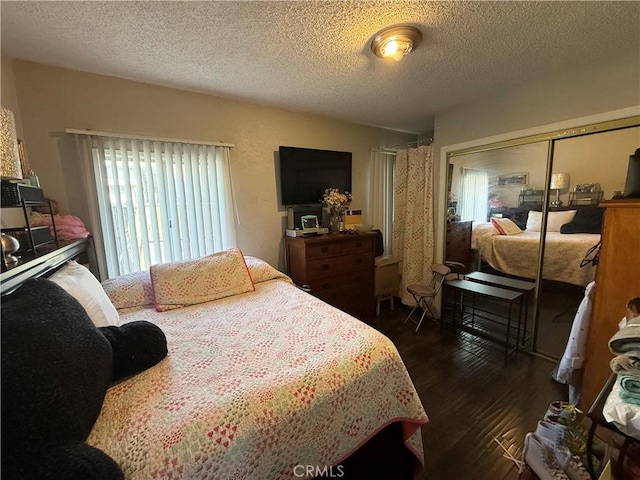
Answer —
161 201
382 166
474 195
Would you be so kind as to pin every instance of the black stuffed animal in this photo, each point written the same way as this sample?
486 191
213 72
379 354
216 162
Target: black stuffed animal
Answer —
56 369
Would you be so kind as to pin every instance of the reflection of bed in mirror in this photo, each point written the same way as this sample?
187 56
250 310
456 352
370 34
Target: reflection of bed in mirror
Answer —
517 253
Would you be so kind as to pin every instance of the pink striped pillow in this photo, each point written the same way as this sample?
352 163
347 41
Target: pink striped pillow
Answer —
505 226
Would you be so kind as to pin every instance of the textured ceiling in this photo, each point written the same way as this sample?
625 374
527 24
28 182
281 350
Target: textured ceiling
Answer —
315 56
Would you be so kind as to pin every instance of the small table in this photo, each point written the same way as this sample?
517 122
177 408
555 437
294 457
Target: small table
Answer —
511 284
477 289
597 418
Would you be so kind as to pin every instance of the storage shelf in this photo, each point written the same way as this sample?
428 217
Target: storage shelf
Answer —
32 246
585 198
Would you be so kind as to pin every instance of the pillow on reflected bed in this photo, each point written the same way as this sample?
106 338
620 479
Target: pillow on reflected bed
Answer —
555 220
505 226
587 220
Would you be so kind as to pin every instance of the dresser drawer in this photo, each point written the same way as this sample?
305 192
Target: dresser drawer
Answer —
356 262
324 286
323 267
459 228
325 249
356 245
344 282
458 243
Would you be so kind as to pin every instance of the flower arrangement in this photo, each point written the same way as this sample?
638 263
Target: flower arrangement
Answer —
335 202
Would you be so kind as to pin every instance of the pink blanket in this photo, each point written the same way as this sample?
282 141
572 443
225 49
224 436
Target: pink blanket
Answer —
67 226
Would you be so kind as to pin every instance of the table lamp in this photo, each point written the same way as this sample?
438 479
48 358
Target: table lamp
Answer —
558 182
10 167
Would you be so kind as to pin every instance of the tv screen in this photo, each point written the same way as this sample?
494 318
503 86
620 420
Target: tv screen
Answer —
305 173
632 184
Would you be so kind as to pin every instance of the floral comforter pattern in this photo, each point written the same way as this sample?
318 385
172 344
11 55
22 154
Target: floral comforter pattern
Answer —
253 385
518 254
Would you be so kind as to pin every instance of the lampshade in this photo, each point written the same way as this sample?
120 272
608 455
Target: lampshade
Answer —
9 156
396 42
559 181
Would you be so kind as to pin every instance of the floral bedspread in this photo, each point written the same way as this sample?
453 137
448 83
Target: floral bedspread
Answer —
254 385
518 254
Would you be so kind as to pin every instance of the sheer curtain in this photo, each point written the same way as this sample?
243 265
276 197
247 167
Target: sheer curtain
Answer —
473 195
157 201
413 217
381 196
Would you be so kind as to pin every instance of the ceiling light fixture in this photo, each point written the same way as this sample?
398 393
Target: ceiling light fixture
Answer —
396 42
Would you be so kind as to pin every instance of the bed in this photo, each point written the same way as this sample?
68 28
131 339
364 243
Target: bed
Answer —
268 383
517 253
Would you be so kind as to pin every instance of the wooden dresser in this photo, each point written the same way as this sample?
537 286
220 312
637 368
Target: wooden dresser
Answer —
338 269
617 282
458 247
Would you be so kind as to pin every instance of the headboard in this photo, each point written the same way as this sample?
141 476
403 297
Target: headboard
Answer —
43 265
519 215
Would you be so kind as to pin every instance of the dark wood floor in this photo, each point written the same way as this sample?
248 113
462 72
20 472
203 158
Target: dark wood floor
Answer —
470 397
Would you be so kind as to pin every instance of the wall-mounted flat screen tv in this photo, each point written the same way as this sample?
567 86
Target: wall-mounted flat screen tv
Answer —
305 173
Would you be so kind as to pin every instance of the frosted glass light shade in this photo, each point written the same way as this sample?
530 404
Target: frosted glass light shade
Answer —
9 156
396 42
559 181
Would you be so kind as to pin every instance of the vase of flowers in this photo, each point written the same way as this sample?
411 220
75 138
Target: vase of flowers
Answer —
335 204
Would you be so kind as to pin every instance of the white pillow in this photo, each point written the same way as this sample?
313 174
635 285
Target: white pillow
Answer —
557 219
554 220
80 283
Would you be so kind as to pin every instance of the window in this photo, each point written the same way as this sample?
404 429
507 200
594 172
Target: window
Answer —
381 186
161 201
473 196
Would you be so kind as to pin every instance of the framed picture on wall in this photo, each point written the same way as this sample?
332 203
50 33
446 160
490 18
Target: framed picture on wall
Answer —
513 179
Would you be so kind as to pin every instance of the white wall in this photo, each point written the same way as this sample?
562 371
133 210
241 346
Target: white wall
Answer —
53 99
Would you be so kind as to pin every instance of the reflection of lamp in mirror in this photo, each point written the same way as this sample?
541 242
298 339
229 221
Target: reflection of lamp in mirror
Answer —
558 182
9 246
9 156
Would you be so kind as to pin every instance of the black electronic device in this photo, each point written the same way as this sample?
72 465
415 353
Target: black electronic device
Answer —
305 173
632 184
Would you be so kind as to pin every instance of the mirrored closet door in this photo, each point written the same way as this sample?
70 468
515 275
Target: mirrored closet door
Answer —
527 209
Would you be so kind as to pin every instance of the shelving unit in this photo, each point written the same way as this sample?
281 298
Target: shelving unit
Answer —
36 237
531 198
585 198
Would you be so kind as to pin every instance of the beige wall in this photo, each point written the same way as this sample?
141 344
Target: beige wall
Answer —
532 108
53 99
10 217
599 158
602 158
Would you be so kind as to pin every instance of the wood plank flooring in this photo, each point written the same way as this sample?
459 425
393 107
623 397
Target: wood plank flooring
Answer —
470 397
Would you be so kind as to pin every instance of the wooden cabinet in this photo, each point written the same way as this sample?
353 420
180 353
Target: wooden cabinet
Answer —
458 247
617 282
338 269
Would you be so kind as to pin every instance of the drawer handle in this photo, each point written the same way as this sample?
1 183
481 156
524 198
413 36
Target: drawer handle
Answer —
358 261
324 249
326 267
358 244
